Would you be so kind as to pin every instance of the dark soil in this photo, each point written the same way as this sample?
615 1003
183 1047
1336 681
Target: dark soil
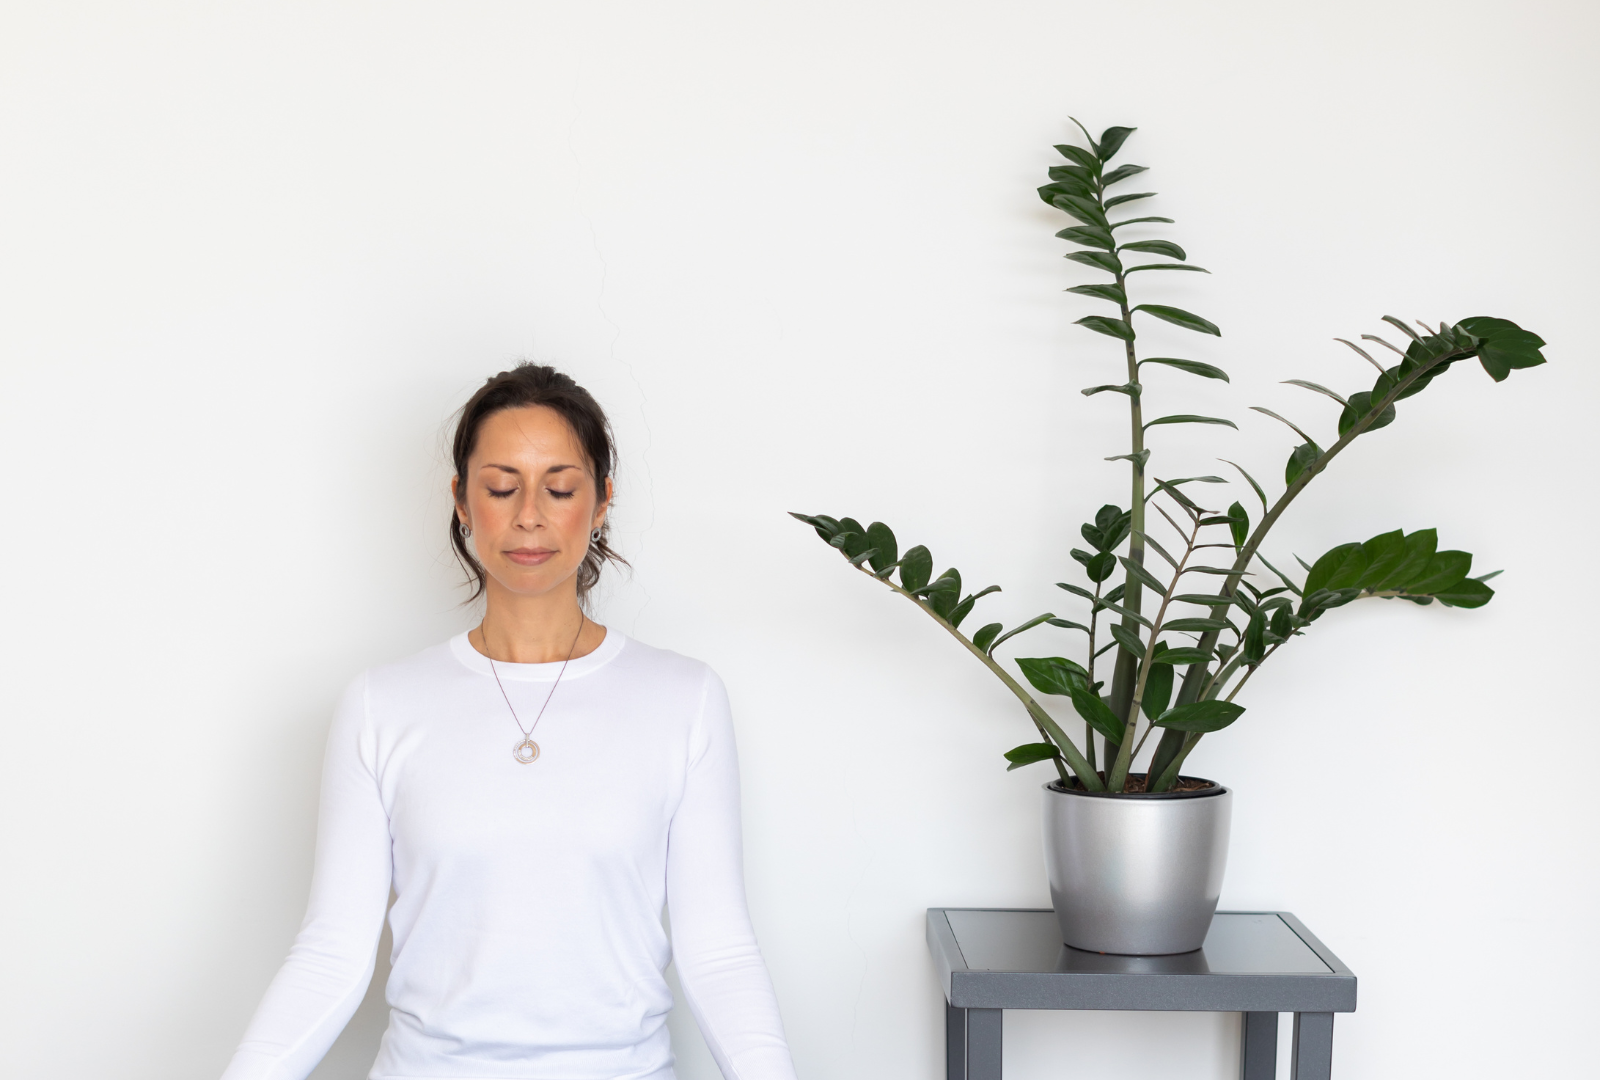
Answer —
1136 784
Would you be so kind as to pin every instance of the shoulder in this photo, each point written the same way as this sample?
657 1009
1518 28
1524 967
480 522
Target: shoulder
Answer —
666 669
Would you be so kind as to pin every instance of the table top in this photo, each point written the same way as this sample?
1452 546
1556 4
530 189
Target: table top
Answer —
1252 961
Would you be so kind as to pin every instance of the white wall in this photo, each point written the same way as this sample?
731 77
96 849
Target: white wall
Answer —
251 257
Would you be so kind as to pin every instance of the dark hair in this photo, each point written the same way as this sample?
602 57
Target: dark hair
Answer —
524 385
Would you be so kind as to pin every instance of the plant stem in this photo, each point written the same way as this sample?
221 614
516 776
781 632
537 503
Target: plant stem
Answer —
1049 730
1197 674
1126 671
1117 779
1094 618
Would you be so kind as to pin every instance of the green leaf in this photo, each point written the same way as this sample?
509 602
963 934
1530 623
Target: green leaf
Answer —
1111 140
1127 613
1445 570
985 636
1118 200
1384 553
1255 643
1100 260
1121 173
1128 639
1503 346
852 537
1167 266
1081 156
1085 210
915 568
1101 292
1183 656
1157 247
1420 547
1053 674
1340 568
943 593
1068 624
1089 236
1467 594
1068 180
1359 405
960 612
1186 418
1097 714
1029 753
857 560
1316 387
1179 317
1262 495
1301 459
1238 524
1102 324
1201 716
1194 626
1029 625
1114 524
1204 599
1101 566
1115 225
1074 176
1193 367
881 537
1287 584
1077 590
1157 690
1284 420
1141 575
825 526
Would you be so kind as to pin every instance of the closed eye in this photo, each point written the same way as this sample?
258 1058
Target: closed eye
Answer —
506 494
561 494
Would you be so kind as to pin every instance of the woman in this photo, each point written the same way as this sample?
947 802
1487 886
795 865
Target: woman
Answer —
534 791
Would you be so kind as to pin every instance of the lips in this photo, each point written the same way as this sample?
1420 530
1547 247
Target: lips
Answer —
530 556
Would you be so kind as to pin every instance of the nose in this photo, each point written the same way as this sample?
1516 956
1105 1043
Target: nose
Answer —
528 515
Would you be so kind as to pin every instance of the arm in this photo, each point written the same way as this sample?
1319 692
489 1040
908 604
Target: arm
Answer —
331 962
713 945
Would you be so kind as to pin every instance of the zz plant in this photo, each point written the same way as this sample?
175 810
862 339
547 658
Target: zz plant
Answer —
1218 634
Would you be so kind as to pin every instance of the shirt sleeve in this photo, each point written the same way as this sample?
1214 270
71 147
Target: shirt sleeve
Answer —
330 964
714 947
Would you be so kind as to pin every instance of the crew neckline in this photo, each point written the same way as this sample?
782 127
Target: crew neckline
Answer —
577 667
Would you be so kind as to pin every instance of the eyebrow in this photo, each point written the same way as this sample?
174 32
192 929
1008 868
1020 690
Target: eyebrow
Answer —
518 472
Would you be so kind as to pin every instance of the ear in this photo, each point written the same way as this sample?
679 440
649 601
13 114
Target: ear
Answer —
605 505
455 497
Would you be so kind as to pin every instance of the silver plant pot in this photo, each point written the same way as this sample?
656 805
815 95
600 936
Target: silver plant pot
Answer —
1136 874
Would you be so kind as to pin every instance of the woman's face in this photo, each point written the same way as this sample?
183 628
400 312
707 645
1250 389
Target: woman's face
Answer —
528 495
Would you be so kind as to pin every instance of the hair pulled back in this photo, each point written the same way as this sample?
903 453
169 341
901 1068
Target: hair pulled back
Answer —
525 385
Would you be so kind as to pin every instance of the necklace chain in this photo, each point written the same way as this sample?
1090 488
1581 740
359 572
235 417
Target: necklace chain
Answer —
527 751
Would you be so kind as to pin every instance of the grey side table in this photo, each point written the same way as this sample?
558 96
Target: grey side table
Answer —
1258 963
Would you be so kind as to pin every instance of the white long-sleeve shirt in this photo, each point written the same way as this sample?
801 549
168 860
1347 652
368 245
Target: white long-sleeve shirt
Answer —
528 940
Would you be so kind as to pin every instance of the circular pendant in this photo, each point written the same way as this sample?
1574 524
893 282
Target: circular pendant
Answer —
527 751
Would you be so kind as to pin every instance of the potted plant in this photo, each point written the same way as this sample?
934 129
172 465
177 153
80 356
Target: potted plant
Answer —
1135 849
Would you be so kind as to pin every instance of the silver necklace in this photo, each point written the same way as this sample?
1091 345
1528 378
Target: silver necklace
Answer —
527 751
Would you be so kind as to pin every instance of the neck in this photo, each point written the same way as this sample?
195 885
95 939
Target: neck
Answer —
534 629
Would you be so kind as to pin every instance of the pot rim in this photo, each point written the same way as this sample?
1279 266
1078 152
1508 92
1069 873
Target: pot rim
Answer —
1054 787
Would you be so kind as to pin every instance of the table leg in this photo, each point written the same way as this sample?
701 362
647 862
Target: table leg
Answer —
984 1028
1313 1047
955 1043
1258 1045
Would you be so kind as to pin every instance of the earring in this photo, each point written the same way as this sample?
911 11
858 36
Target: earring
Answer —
466 532
594 537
